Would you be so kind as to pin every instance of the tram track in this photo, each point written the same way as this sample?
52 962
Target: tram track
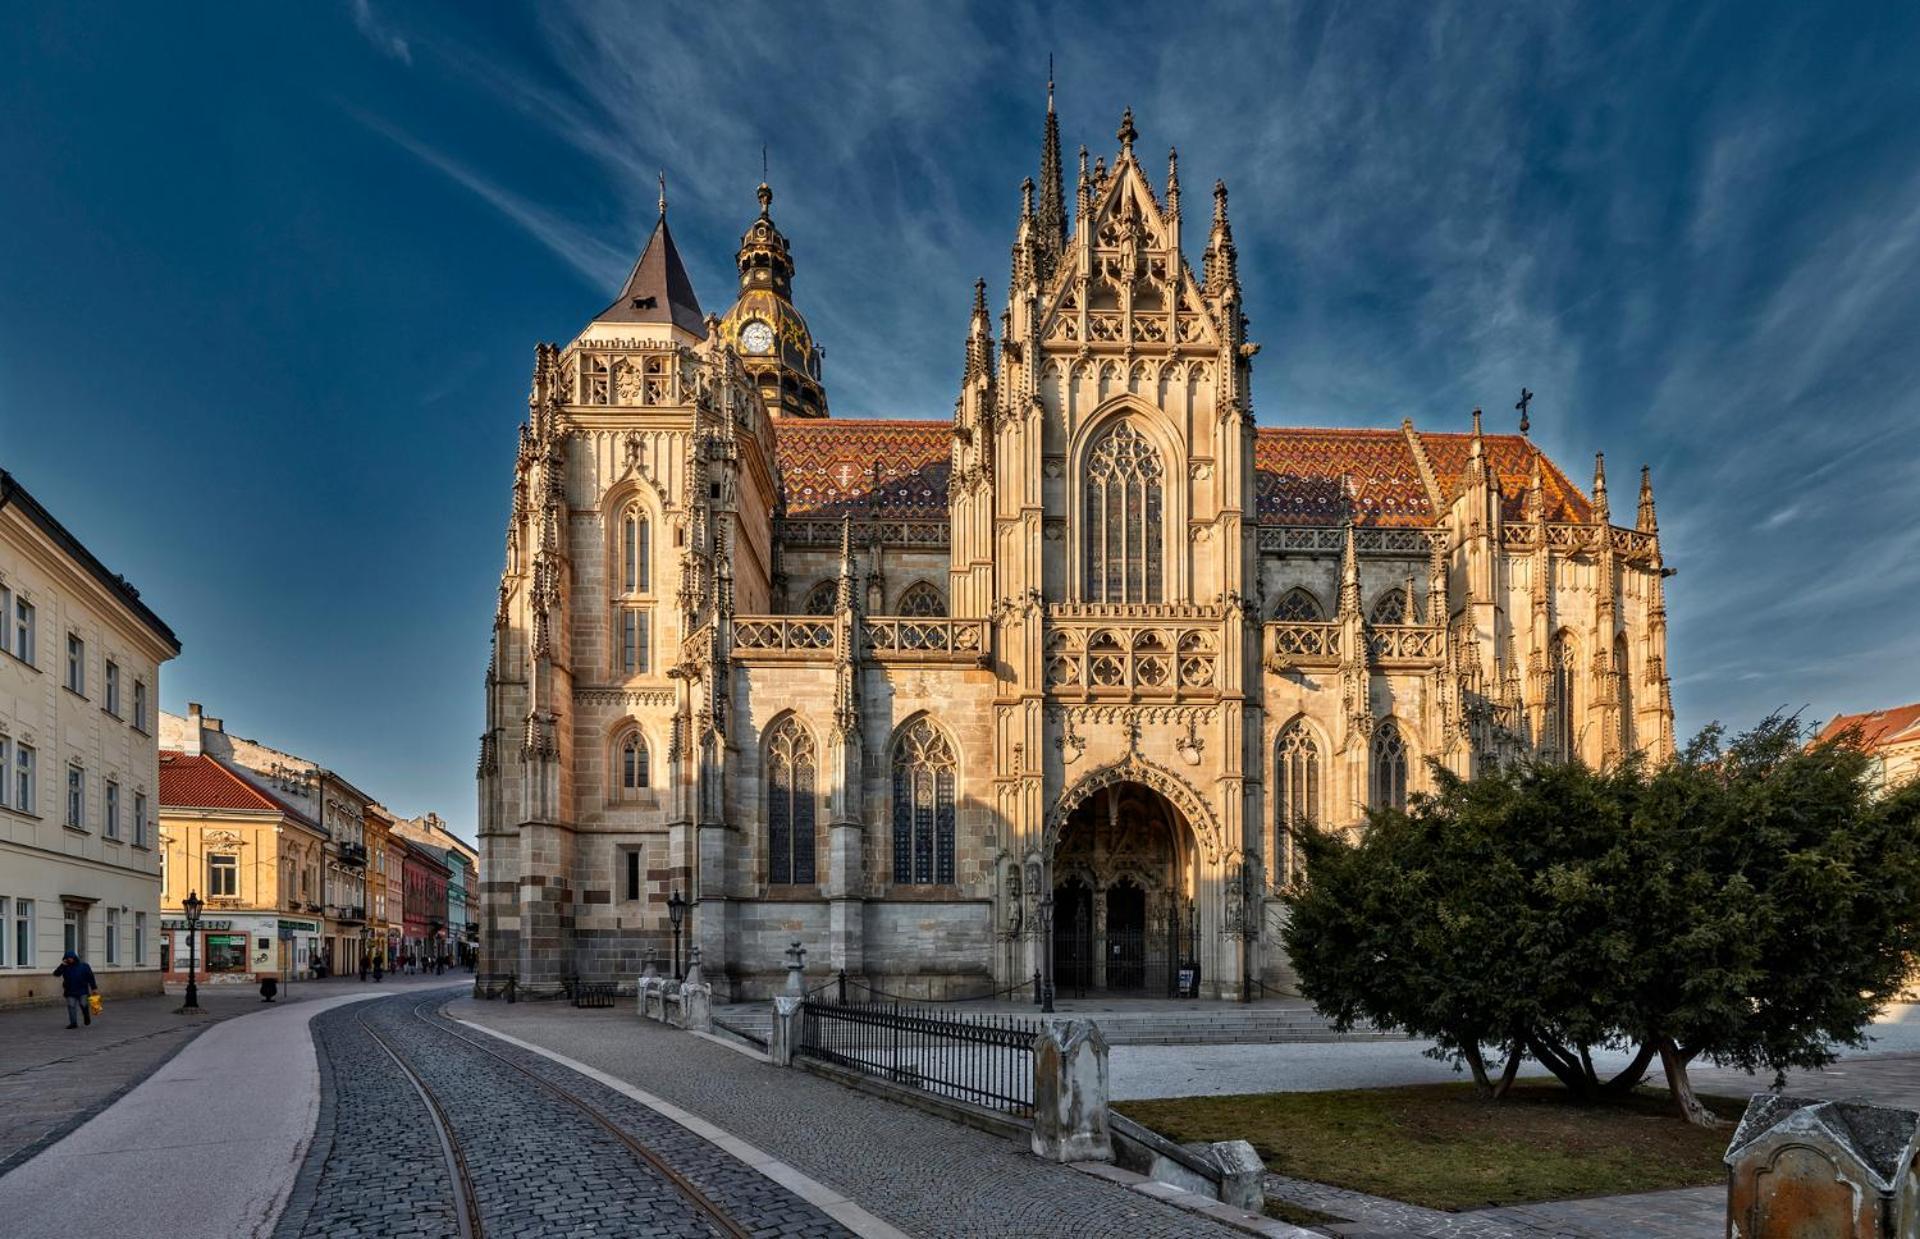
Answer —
689 1191
466 1203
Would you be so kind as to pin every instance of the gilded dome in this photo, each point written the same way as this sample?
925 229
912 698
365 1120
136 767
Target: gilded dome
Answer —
764 327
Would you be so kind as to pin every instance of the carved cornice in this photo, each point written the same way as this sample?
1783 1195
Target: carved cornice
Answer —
655 697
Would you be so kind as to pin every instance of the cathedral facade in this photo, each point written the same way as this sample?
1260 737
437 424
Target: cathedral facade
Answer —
1043 688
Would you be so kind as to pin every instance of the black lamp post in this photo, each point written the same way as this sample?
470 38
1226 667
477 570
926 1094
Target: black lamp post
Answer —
192 906
1046 954
676 912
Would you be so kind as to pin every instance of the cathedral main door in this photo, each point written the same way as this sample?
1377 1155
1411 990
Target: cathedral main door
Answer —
1123 910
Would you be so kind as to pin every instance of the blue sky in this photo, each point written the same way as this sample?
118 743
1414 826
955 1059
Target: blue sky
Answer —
271 277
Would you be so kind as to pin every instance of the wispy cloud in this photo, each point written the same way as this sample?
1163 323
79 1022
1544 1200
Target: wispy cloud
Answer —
379 33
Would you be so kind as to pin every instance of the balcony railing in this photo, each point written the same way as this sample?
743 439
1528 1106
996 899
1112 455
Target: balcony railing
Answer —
886 638
353 854
1102 658
1405 645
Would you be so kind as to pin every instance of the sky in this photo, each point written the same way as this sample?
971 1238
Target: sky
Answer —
271 277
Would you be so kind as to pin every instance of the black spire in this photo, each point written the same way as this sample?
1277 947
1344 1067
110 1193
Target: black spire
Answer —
658 289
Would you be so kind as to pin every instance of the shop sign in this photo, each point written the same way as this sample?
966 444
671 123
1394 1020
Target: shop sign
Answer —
170 923
298 927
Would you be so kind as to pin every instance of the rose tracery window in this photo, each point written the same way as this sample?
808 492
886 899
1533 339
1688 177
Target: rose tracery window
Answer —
922 601
790 804
1393 608
820 599
1124 485
1296 794
1389 773
923 769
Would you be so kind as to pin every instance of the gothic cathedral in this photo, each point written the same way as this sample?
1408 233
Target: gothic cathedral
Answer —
1045 687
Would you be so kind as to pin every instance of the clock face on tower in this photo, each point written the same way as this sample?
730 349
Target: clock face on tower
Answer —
756 337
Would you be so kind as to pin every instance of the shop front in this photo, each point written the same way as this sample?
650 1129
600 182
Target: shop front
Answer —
239 950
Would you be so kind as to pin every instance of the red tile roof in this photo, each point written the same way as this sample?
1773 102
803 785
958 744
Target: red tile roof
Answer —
1301 476
1878 727
196 781
829 466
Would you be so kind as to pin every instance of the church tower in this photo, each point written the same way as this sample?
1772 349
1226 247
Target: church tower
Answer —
766 330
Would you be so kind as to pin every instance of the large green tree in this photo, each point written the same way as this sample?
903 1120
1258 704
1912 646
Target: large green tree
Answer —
1751 902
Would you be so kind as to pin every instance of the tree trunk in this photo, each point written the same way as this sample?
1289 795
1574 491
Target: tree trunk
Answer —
1691 1108
1511 1070
1586 1069
1559 1064
1636 1071
1470 1050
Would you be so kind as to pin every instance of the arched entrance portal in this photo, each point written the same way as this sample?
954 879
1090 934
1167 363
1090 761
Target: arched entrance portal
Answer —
1124 918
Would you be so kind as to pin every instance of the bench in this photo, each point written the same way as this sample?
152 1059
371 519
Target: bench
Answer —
593 993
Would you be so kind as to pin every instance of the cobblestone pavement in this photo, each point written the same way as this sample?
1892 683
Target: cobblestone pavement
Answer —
53 1079
540 1165
925 1175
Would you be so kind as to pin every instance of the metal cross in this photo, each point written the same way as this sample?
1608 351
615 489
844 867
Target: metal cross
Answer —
1526 398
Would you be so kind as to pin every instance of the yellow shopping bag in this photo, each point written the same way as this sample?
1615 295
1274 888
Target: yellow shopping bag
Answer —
93 1003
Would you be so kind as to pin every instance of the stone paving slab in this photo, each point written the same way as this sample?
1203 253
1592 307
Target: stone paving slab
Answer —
923 1174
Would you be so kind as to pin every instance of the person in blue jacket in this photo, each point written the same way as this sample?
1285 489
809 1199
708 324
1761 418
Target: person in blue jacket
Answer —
76 981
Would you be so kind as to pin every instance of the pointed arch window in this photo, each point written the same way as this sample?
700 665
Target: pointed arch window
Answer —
1296 764
923 770
820 599
1623 680
636 773
1394 607
636 552
1124 501
790 804
1297 606
1389 767
922 600
1562 708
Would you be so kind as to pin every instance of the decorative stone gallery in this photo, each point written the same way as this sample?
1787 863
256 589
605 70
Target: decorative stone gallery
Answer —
1046 687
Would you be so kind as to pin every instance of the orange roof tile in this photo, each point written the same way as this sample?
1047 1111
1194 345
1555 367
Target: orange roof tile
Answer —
1325 477
1510 457
1878 727
831 466
196 781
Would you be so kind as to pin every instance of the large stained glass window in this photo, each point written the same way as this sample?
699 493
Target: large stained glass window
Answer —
923 768
1124 488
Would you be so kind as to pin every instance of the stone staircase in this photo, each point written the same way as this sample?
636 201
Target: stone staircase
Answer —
1138 1022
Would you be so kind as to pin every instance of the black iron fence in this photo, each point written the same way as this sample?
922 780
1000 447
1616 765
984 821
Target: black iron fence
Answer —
1158 959
983 1059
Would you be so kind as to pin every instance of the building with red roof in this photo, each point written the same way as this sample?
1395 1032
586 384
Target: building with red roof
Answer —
1891 736
1047 686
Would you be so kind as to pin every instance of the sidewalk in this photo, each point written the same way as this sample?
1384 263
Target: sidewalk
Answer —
53 1079
211 1141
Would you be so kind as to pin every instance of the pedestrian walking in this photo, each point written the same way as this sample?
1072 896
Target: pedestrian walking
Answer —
77 983
378 968
363 970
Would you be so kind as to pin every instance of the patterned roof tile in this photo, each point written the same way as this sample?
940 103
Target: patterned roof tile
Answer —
831 466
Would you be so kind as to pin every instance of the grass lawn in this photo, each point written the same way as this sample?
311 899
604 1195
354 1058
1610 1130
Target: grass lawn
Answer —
1438 1145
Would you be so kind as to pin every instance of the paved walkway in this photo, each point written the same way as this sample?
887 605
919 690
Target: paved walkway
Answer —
210 1141
925 1175
53 1079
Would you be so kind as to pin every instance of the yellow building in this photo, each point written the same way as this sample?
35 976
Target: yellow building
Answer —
256 865
383 883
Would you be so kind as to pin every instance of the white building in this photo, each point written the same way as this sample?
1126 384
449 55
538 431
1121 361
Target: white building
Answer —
80 659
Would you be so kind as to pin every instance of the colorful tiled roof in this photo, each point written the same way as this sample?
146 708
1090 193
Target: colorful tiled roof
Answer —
196 781
1301 476
1897 725
831 467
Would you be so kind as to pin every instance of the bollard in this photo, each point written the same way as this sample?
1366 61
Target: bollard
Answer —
1799 1166
1070 1093
1242 1174
785 1033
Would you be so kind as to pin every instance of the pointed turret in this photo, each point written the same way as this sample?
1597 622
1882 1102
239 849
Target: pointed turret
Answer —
1050 217
1647 523
1173 183
1601 512
1221 266
979 336
1350 575
658 289
1127 134
1083 194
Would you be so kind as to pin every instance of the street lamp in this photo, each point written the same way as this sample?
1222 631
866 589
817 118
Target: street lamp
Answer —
192 906
1046 952
676 912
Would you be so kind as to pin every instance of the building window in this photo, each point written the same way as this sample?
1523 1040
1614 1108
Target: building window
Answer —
923 601
635 774
113 935
23 782
6 644
223 875
1389 767
76 798
139 938
633 874
1394 607
1561 706
23 933
790 804
140 704
113 688
140 819
636 642
1297 606
636 553
75 932
923 769
112 824
226 953
821 599
76 664
6 777
6 923
1123 518
1296 768
23 630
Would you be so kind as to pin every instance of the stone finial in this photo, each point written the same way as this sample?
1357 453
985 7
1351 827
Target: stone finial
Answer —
1127 133
796 986
1648 522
